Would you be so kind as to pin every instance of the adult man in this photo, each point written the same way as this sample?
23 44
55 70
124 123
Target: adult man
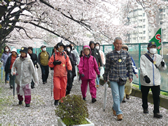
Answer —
150 65
62 66
96 54
118 64
43 59
33 57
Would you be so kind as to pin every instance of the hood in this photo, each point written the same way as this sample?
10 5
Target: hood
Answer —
91 43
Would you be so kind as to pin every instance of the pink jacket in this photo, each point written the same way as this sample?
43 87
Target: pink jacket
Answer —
88 66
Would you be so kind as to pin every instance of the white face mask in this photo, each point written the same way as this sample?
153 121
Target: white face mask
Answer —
68 49
6 50
97 47
44 49
153 50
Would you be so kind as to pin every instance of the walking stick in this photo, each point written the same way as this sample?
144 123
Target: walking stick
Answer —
52 72
14 88
105 96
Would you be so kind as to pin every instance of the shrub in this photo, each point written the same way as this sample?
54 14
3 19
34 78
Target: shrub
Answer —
73 110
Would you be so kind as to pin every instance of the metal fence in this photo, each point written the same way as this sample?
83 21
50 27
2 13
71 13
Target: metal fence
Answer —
135 50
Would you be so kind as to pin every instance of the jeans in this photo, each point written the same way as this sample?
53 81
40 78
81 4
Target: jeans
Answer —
118 95
6 76
45 72
156 98
98 79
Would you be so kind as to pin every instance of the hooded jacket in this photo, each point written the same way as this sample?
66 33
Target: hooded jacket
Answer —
4 58
96 54
88 66
24 71
149 69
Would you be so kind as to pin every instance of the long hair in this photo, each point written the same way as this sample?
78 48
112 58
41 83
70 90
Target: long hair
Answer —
8 48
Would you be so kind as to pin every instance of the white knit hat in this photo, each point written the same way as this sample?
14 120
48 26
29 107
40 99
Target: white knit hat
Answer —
14 50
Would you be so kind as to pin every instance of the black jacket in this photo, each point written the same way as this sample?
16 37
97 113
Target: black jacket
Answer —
96 54
34 58
73 63
8 63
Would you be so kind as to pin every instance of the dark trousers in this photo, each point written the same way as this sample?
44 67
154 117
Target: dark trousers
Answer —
156 98
12 80
45 72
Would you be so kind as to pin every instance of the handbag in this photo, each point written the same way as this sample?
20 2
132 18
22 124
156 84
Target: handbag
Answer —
121 81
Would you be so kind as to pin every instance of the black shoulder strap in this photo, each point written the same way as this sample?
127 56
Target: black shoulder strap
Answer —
150 59
54 57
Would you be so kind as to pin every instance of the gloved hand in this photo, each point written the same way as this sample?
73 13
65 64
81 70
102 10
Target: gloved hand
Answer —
162 63
57 62
98 76
147 79
82 75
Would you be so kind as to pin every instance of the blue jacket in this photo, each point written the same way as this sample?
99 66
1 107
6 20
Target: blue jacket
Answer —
135 70
4 58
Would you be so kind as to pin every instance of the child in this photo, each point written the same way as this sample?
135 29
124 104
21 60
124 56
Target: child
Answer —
87 67
11 59
24 72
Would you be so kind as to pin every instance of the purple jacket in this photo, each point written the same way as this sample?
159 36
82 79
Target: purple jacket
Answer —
88 66
4 58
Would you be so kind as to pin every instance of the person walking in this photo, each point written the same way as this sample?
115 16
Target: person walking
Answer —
151 64
72 74
128 85
34 59
76 54
4 58
96 54
62 65
118 64
101 69
23 69
43 59
8 66
87 69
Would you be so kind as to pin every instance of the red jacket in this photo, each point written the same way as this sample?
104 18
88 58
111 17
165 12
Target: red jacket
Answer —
60 70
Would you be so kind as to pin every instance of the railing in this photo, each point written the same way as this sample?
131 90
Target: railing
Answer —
135 50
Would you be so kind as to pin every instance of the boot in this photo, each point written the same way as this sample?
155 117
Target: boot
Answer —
93 100
56 102
27 105
119 117
157 115
145 111
20 102
84 99
123 101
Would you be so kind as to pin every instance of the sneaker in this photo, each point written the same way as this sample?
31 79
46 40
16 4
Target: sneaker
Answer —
157 115
145 111
44 82
27 105
119 117
7 81
20 102
84 99
93 100
56 102
114 112
127 97
97 86
32 86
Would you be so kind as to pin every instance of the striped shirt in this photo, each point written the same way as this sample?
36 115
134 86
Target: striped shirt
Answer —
118 65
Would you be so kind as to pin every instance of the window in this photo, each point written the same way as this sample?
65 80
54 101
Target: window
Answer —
144 32
143 26
144 14
143 20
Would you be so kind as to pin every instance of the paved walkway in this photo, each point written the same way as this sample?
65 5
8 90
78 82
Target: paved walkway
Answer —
41 112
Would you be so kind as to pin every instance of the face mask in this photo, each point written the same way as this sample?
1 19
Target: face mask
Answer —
97 47
73 48
153 50
44 49
6 50
68 49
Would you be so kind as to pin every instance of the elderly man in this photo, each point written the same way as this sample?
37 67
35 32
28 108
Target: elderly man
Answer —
150 65
118 64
